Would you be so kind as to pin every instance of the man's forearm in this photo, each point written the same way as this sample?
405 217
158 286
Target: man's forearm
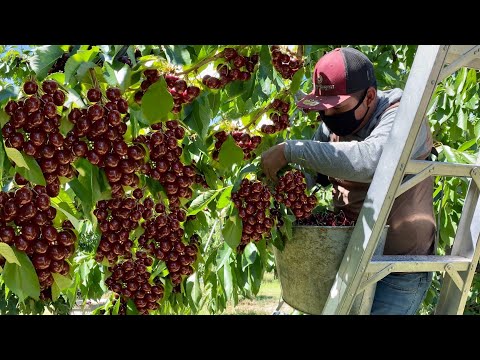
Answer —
331 159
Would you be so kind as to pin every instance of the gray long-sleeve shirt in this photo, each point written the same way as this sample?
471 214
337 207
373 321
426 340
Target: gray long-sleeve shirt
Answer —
356 158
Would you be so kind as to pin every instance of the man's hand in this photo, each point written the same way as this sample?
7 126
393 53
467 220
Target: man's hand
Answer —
273 160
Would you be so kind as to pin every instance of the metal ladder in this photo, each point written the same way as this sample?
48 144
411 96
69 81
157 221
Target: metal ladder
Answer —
359 268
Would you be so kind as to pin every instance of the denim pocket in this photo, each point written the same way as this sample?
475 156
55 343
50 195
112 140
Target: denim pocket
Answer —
407 282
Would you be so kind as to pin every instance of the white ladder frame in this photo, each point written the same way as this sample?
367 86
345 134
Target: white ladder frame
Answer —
426 72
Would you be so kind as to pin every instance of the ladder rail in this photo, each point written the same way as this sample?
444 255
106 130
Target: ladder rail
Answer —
453 299
419 89
461 61
424 169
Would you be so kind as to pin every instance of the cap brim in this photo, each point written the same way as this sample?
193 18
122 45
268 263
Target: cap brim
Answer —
318 103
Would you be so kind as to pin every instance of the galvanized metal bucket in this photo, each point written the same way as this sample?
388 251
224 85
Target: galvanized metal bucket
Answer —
309 262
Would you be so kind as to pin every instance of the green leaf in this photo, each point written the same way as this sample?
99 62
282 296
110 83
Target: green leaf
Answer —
211 176
462 121
154 186
449 90
250 253
224 199
33 175
74 98
234 89
177 54
460 80
22 279
88 185
7 252
256 272
287 226
222 256
116 307
194 291
277 240
64 208
227 280
83 69
131 54
199 118
449 153
296 80
232 232
250 168
157 102
27 166
43 59
230 153
74 61
200 202
60 283
262 251
80 191
109 74
17 157
131 308
266 66
214 101
9 92
4 117
123 78
158 269
467 145
65 126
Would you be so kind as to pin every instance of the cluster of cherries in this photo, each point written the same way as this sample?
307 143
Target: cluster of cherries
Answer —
286 65
130 279
236 67
34 127
165 165
116 219
26 221
291 191
279 117
244 140
252 200
98 136
327 218
163 239
178 88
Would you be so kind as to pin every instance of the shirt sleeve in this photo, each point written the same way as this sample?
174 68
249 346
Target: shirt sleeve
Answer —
349 160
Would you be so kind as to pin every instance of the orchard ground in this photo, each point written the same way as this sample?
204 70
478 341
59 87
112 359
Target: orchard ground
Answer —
265 302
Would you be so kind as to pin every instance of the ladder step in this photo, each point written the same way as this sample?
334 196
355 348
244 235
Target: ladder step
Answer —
456 51
418 263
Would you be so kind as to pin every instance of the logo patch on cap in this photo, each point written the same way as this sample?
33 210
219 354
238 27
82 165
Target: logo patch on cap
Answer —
323 87
309 102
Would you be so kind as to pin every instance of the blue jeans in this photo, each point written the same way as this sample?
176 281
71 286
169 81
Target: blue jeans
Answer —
401 293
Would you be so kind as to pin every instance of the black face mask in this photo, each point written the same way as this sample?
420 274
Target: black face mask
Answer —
345 123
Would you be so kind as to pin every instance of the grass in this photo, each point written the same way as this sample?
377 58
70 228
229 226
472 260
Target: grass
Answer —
265 303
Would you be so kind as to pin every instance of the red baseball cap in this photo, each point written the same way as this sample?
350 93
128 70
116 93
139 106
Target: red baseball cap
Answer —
337 75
